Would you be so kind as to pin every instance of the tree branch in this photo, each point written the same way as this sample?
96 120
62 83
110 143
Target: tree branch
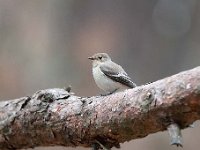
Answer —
57 117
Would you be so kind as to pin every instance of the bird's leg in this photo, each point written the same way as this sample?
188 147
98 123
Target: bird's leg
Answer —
105 94
148 83
109 93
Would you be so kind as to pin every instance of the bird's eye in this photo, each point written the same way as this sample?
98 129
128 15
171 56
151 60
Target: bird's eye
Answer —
100 57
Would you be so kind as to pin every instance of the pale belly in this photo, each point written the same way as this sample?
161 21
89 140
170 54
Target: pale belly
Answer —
106 84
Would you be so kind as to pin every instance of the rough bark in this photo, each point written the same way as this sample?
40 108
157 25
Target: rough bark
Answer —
57 117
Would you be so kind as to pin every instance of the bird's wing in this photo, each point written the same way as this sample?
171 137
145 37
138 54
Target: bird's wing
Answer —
117 73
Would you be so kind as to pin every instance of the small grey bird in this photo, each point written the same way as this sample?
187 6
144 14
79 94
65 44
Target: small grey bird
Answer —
108 75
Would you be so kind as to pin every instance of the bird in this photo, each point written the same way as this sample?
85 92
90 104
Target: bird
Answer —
109 76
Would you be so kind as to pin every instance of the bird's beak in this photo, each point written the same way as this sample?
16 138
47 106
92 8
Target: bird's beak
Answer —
91 58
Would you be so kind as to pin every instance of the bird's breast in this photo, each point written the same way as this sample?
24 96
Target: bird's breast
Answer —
104 82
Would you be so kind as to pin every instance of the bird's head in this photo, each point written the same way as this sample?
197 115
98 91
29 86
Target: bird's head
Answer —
99 58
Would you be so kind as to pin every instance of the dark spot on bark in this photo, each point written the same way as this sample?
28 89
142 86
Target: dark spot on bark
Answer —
66 97
45 97
95 146
155 104
25 102
83 101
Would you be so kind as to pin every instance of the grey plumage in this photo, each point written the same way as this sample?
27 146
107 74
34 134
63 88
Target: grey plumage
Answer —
108 75
117 73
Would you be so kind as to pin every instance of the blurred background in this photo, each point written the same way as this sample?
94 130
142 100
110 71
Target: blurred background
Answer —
45 44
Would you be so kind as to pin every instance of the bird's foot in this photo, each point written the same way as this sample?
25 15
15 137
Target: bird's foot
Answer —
106 94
